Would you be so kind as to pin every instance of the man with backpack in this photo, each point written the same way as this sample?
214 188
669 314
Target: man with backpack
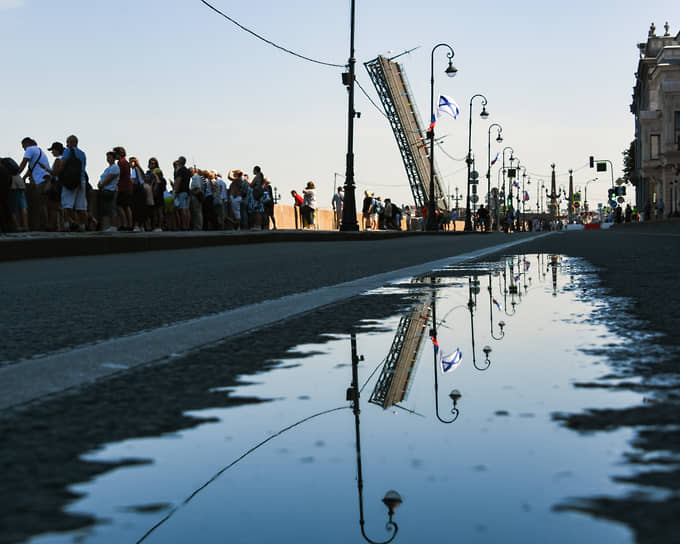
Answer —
38 170
71 171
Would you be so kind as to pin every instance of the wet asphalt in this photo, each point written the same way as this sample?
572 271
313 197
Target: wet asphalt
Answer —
56 303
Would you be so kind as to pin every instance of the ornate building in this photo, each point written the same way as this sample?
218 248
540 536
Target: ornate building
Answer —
656 106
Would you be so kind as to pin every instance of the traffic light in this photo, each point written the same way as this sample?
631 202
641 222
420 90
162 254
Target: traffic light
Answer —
592 161
610 192
509 201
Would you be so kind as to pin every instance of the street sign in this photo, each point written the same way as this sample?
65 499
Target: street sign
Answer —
474 198
577 204
619 181
620 200
474 174
601 167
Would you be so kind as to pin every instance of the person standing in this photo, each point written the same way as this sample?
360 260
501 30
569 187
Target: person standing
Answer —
38 171
269 205
309 205
108 187
366 209
337 204
124 198
181 192
73 201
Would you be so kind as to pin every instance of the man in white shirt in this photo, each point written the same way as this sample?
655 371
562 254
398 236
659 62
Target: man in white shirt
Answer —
38 171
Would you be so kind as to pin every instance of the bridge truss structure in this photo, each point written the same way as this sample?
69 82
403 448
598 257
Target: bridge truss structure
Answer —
390 82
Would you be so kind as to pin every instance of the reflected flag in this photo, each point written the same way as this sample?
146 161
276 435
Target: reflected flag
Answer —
527 264
498 305
526 196
450 362
494 160
515 183
517 278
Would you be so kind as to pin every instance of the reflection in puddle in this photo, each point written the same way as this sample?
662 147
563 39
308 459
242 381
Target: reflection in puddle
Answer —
505 342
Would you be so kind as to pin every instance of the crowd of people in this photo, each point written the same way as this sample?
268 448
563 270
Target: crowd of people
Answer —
60 196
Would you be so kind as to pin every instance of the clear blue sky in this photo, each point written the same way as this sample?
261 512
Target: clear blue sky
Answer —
171 77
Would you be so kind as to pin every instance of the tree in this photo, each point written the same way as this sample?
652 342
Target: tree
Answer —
629 174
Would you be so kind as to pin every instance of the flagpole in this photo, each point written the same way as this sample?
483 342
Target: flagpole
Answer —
450 71
349 210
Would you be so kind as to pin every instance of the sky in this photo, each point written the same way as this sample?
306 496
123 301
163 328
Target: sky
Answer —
166 78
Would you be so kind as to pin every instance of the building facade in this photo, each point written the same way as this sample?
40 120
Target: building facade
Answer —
656 106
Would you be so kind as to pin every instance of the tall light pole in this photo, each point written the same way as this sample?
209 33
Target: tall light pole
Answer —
499 139
349 209
450 71
585 193
484 114
512 151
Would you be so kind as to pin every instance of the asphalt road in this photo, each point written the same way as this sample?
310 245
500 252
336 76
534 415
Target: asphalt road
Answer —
48 305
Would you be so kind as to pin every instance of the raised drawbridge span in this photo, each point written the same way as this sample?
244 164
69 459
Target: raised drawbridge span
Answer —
396 97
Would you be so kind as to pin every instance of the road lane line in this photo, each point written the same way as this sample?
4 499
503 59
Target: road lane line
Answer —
31 379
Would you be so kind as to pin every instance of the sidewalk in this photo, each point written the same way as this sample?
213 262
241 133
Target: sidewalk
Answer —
37 245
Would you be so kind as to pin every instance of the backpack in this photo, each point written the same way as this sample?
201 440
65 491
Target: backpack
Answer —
10 165
70 176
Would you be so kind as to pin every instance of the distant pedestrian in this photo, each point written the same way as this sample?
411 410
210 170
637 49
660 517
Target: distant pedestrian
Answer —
41 180
336 204
125 189
108 186
182 179
366 207
297 207
74 201
269 205
309 205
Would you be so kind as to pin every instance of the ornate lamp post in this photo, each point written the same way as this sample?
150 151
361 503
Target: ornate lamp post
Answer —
453 395
511 158
499 139
392 499
432 223
501 324
484 114
349 209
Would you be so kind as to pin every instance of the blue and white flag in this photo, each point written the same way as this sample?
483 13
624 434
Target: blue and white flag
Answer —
494 160
448 106
498 305
450 362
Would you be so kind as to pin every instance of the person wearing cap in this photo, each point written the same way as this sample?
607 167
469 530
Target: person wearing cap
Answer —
181 191
73 201
39 172
309 205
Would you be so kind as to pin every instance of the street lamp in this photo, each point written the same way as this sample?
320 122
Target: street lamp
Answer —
499 139
450 71
511 158
585 193
484 114
349 208
392 499
501 324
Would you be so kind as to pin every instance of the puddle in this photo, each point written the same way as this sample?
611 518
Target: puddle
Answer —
475 453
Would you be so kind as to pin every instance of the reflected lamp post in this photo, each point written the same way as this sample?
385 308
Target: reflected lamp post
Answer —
511 158
484 114
453 395
501 324
432 223
473 287
392 499
499 139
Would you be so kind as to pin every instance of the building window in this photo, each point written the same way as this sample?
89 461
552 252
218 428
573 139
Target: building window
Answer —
655 143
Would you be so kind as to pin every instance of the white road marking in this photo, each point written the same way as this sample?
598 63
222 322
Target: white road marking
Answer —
31 379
